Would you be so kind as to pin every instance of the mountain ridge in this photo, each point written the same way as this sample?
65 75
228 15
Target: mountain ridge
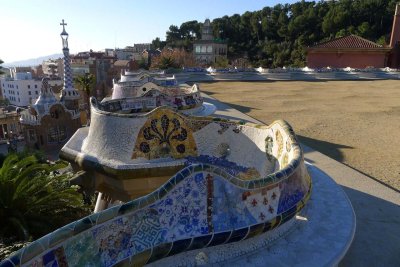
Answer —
32 61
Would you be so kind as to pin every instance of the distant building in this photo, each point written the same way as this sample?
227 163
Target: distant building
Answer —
207 50
148 54
139 48
97 63
9 123
128 53
53 68
121 65
50 122
22 90
357 52
348 51
19 70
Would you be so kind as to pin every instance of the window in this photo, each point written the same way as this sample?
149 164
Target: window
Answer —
35 85
197 49
19 100
209 49
29 93
203 49
57 134
29 87
36 92
17 86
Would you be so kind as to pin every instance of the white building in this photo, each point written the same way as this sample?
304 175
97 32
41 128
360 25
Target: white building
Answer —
22 90
53 68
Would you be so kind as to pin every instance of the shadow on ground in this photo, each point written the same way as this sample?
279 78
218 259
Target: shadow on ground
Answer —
332 150
377 238
241 108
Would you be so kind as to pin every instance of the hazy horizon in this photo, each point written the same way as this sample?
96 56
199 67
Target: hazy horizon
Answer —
31 29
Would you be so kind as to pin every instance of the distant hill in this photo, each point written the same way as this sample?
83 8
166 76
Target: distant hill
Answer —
32 61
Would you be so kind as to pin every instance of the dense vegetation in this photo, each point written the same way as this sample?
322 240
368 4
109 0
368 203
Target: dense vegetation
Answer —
278 36
35 199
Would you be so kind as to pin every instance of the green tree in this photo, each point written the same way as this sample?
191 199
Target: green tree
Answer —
157 44
35 199
1 62
86 82
279 35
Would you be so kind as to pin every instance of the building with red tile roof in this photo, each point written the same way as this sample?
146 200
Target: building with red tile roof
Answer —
356 52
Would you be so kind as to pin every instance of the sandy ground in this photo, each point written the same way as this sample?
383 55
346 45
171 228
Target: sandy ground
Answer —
354 122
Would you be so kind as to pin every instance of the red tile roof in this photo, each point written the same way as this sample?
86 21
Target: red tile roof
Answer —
349 41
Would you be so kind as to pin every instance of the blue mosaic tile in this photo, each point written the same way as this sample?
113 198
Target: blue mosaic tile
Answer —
79 250
49 259
231 167
229 211
200 242
293 190
180 246
255 230
160 252
82 225
184 209
185 172
238 235
219 238
7 263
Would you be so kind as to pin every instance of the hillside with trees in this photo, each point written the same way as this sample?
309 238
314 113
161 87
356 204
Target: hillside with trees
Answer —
279 36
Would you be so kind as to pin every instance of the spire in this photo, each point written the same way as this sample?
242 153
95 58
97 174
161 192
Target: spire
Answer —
68 92
206 31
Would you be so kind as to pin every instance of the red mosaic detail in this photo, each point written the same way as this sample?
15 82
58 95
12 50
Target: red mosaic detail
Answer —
245 195
271 209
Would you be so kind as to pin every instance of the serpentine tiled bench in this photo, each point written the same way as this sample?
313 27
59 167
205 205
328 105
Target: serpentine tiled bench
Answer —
230 181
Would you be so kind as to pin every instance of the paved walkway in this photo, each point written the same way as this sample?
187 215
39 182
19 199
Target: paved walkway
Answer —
377 207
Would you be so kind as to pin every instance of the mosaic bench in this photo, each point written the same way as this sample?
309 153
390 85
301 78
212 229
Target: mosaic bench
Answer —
226 181
142 92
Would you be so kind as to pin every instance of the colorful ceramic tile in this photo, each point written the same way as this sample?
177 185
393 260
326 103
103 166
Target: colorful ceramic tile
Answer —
165 134
229 210
82 250
184 209
230 167
293 189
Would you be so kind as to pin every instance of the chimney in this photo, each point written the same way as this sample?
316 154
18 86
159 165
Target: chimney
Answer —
395 37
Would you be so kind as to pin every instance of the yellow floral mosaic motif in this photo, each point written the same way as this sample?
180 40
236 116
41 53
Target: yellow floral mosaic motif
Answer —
165 134
279 142
285 160
250 174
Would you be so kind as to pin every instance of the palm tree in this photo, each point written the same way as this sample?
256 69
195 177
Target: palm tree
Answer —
86 82
35 199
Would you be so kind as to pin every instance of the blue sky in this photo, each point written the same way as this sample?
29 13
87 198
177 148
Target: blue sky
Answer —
31 28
